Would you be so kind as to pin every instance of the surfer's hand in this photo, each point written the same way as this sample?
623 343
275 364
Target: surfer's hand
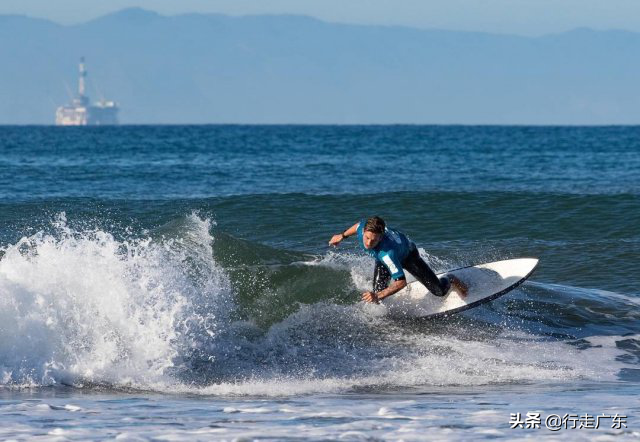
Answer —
335 239
370 297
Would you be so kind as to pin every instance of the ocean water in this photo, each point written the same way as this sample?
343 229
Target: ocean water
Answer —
175 283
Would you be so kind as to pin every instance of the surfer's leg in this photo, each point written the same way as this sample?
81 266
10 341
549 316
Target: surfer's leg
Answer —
381 277
423 273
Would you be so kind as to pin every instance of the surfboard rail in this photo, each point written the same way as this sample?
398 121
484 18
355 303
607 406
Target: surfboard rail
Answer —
424 305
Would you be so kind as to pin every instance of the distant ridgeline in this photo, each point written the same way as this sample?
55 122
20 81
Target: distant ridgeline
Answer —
212 68
82 113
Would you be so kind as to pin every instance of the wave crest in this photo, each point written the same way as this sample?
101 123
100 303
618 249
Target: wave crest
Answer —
80 306
83 306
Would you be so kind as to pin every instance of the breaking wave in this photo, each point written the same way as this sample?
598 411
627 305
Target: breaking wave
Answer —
179 310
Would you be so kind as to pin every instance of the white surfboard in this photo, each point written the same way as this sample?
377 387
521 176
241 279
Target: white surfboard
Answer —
486 282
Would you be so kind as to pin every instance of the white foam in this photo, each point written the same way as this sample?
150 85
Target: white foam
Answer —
83 305
426 359
156 313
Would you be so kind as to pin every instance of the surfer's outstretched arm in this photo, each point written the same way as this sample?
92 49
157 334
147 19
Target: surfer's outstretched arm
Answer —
336 239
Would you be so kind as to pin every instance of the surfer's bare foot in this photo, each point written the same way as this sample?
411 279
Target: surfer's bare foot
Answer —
460 286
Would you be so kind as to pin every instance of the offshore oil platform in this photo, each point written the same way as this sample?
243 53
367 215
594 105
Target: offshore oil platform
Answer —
82 113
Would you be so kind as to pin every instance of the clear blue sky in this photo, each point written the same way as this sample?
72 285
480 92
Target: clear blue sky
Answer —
526 17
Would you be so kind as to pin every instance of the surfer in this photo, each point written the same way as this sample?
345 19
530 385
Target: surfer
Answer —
393 251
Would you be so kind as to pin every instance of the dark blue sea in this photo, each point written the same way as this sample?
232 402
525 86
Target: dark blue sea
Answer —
175 283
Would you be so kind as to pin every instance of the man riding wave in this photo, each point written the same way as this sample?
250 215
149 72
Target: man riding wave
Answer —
393 252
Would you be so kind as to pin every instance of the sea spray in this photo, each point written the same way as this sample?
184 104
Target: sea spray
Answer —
81 306
157 311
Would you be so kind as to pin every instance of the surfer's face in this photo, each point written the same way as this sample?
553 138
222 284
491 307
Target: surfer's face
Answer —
371 239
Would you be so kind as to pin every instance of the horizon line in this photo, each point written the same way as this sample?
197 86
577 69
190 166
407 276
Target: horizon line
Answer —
559 125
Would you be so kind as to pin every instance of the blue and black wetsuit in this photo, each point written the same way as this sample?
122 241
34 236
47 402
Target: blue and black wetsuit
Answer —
393 253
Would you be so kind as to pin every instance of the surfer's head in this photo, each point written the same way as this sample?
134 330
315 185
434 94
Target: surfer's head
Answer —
373 232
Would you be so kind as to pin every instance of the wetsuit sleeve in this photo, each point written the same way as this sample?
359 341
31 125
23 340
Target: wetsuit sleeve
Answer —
360 231
391 261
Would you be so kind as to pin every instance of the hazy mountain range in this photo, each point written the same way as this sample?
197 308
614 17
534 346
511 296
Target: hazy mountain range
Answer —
208 68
